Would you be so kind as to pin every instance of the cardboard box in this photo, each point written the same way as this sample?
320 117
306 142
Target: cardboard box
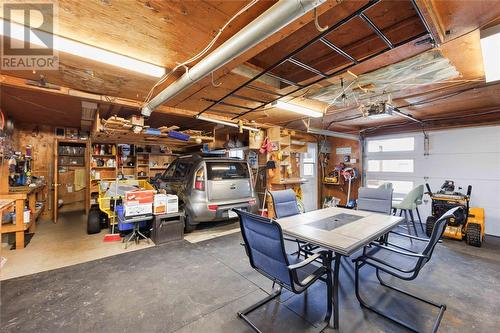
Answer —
160 204
172 204
139 197
136 120
137 209
26 217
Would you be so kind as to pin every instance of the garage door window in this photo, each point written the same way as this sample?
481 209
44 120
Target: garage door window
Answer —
399 186
391 160
391 145
390 165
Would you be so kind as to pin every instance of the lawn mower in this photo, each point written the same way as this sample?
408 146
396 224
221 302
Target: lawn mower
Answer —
470 225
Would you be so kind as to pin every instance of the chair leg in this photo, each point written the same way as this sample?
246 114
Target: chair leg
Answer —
363 304
413 222
400 212
243 314
329 286
407 224
420 220
442 307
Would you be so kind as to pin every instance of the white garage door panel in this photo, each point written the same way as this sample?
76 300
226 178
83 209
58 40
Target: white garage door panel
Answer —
462 166
466 156
466 140
492 218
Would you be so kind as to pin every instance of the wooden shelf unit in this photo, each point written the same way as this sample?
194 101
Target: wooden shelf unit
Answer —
150 161
16 198
288 145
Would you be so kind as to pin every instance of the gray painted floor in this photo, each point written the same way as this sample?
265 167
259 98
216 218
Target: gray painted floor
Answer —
183 287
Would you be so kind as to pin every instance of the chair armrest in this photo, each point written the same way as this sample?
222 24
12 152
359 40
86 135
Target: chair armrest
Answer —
318 272
305 262
410 236
310 278
402 252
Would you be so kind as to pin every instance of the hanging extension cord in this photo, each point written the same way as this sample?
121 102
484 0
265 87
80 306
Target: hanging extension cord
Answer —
201 53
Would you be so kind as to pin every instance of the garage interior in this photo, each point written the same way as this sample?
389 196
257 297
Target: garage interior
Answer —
166 165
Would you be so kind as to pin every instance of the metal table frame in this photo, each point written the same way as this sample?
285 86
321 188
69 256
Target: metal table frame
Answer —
336 256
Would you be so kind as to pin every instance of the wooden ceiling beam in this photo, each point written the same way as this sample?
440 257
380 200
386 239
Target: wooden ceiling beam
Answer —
267 43
433 20
15 82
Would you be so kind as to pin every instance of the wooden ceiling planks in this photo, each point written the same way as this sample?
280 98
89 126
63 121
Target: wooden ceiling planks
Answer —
412 20
161 28
268 42
464 54
152 30
65 103
459 17
24 106
159 34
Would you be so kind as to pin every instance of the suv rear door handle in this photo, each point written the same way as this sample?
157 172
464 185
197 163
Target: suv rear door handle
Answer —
232 186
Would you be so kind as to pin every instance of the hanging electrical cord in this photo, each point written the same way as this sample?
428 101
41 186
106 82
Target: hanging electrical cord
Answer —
201 53
316 22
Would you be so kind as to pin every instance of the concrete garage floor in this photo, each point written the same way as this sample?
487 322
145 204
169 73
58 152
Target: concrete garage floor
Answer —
56 245
184 287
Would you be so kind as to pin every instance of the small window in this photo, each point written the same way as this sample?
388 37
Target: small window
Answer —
178 169
308 170
182 169
388 145
227 170
390 165
169 173
399 186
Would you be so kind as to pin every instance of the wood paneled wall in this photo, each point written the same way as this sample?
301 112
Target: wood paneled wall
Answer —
340 191
42 139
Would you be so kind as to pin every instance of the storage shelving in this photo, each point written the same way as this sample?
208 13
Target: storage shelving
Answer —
143 162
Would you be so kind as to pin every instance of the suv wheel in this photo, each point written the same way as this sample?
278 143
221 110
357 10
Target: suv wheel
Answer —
188 227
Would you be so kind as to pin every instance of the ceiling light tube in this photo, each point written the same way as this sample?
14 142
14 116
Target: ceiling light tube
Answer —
319 131
297 109
84 50
226 123
490 48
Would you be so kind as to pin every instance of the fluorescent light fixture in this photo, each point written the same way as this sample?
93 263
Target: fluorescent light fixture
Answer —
379 116
490 48
226 123
297 109
334 134
85 51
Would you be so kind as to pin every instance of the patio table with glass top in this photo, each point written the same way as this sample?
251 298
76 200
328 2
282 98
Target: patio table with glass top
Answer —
340 231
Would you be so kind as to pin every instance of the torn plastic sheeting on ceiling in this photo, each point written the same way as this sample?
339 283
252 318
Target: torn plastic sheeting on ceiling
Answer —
426 68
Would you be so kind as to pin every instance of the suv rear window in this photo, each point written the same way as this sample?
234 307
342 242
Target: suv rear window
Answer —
178 169
227 170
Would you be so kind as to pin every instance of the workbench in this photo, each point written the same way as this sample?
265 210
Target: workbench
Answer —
18 196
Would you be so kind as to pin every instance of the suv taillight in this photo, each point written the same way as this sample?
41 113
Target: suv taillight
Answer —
199 181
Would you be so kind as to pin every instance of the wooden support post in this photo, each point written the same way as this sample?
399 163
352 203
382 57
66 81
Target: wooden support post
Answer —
20 224
32 208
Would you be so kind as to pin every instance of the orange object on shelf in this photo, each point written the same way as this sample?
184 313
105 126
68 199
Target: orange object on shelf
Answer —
140 197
